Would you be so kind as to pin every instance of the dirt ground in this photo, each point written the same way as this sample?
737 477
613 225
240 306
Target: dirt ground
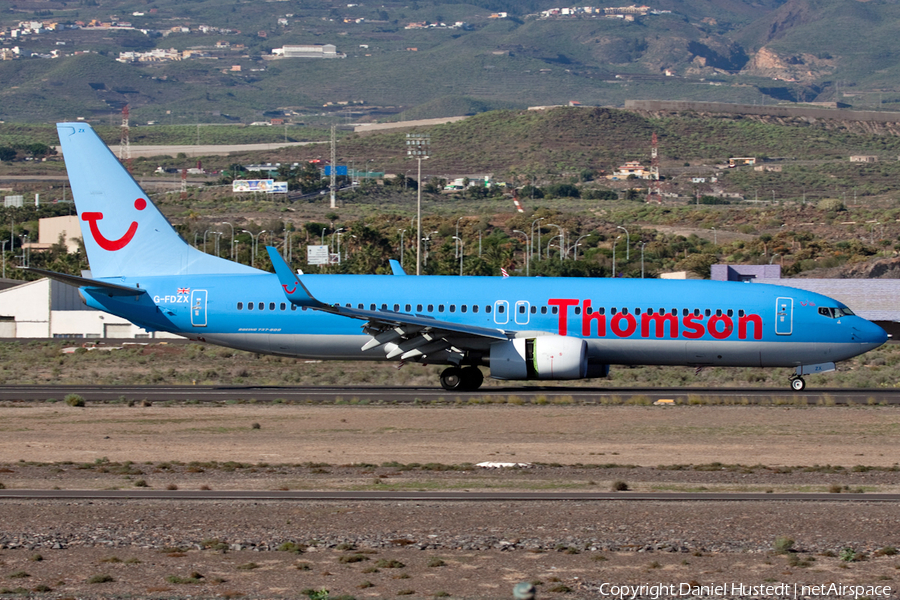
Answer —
230 549
339 434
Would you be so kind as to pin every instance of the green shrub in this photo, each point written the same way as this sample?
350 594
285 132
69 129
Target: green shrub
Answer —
783 545
619 486
101 579
74 400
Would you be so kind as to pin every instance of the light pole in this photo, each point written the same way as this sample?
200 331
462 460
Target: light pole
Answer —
561 241
575 246
204 239
339 245
527 253
627 242
4 259
642 258
532 236
457 235
231 254
333 234
417 146
402 231
773 257
428 241
254 240
715 237
615 242
461 249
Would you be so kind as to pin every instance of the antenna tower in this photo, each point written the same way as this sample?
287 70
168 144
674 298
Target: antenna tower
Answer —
125 143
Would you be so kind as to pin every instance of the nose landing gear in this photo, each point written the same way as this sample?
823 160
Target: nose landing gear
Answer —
798 383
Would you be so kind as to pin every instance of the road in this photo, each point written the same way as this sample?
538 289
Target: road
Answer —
410 395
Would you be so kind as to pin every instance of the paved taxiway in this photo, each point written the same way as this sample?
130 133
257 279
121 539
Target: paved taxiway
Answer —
411 395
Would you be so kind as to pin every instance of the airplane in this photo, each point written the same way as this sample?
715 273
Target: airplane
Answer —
519 328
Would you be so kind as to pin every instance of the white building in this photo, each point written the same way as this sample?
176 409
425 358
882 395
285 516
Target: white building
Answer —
308 51
50 309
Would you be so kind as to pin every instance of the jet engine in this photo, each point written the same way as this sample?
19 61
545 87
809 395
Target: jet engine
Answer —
544 357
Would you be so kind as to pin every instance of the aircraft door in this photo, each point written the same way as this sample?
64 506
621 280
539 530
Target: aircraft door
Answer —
198 308
522 312
784 316
501 312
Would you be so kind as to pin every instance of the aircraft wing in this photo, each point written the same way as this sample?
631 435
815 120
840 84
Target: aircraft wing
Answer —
412 336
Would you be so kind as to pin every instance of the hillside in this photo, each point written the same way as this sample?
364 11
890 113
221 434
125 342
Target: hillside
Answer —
719 50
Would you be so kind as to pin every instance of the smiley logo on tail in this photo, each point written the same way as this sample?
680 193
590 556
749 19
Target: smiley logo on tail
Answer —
102 241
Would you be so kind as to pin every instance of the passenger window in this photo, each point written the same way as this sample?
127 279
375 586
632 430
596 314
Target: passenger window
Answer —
293 307
408 307
674 312
708 312
624 311
487 308
543 310
474 308
521 309
650 311
730 313
271 306
440 308
533 309
588 310
431 308
684 312
577 310
240 306
613 310
360 306
718 312
418 308
601 310
696 312
501 309
396 308
371 307
304 308
637 311
555 310
384 307
453 308
250 306
741 312
284 306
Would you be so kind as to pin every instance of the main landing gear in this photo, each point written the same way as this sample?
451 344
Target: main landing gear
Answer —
465 379
797 383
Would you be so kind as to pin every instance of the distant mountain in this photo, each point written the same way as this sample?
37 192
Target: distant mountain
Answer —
742 51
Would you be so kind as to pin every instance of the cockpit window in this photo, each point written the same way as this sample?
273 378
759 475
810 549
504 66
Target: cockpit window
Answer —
835 313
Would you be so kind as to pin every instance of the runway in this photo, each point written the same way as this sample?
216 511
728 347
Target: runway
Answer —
407 496
411 395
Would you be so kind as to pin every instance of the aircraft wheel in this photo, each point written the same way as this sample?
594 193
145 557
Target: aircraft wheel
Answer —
472 378
452 379
797 384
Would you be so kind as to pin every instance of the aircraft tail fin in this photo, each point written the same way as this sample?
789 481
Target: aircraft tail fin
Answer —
124 233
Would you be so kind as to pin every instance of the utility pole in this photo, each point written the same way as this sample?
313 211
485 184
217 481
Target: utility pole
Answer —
333 185
417 147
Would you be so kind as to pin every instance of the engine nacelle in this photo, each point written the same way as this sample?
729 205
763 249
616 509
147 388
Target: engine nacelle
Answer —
543 357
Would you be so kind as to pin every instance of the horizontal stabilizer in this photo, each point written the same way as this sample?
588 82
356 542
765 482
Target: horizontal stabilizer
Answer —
110 289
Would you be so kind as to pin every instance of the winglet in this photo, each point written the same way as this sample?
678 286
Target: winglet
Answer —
396 268
293 288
